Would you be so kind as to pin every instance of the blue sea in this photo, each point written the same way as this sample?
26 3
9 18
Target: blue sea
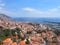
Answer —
54 21
38 20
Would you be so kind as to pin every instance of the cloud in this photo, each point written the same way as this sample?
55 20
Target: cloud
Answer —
54 12
54 9
28 9
58 6
32 10
7 12
0 8
1 5
3 10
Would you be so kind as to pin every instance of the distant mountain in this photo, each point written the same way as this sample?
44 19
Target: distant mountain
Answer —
4 17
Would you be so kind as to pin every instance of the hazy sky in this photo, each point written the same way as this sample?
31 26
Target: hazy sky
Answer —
30 8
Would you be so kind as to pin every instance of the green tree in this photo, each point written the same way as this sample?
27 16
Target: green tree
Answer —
1 29
7 32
